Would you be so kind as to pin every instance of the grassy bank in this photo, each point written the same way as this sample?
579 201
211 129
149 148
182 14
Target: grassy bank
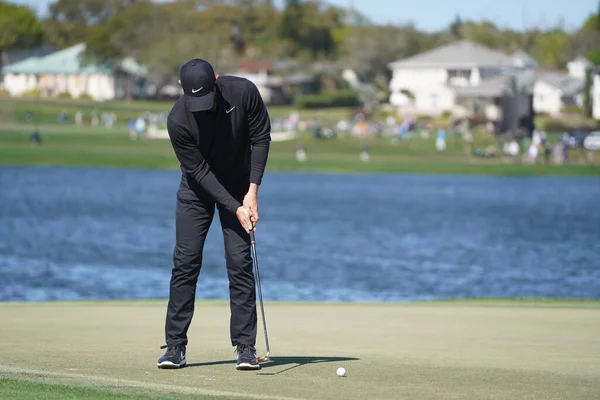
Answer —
96 350
46 111
68 145
71 146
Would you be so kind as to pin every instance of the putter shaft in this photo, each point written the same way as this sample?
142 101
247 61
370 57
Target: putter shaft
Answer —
260 298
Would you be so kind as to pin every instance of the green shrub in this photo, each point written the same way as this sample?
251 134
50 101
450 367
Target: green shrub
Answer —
553 124
31 93
408 94
64 95
572 109
442 121
561 124
337 98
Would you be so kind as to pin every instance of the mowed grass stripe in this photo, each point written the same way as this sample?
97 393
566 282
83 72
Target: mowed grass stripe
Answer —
391 351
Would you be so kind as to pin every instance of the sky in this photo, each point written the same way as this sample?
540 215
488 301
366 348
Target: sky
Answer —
432 15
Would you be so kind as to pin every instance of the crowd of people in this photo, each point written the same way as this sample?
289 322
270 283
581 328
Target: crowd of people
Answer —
516 145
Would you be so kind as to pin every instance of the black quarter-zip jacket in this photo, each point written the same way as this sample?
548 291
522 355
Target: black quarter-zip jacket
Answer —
225 149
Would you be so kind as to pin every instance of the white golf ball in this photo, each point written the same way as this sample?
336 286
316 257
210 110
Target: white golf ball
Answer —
341 371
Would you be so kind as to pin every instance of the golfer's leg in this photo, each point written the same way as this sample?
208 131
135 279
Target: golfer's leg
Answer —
192 221
242 294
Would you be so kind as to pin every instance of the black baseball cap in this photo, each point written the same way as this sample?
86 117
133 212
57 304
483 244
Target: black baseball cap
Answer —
198 82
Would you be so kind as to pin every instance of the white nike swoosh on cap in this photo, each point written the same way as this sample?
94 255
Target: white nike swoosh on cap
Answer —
197 90
228 111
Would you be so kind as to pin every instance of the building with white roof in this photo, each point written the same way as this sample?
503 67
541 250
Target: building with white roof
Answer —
554 90
448 78
65 71
452 78
595 95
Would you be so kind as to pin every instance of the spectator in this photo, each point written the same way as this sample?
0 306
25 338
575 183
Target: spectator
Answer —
440 140
140 126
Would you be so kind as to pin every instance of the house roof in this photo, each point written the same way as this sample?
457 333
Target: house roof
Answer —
65 61
524 59
129 65
458 54
15 56
564 82
493 87
69 61
581 60
519 82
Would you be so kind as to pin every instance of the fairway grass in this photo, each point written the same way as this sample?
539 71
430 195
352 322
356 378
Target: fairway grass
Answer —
476 349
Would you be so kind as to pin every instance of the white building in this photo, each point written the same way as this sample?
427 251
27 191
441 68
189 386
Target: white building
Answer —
269 86
65 72
447 78
596 96
523 60
578 67
555 90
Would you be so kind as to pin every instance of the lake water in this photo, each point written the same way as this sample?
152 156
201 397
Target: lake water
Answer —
109 233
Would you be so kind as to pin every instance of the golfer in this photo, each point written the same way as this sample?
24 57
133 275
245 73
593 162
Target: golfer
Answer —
221 133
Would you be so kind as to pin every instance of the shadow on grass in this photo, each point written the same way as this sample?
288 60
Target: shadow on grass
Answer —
290 362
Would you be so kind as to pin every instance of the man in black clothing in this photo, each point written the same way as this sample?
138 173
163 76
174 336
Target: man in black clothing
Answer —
220 131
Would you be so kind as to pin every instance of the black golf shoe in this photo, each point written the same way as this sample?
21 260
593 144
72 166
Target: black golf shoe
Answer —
246 358
173 358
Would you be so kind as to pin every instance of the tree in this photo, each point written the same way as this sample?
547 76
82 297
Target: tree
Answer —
585 41
369 49
456 27
587 96
70 20
550 48
255 28
20 28
291 21
484 33
319 25
593 22
162 36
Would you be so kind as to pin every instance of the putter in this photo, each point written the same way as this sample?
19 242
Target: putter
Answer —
266 358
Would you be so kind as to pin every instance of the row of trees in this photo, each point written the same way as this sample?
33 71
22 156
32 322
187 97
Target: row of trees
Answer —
161 35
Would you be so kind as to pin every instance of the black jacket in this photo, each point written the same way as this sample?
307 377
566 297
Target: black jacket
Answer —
226 149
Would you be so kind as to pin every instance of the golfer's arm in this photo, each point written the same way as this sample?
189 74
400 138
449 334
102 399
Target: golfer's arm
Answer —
259 128
194 164
253 189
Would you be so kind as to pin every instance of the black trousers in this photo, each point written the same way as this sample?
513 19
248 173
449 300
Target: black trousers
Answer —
194 215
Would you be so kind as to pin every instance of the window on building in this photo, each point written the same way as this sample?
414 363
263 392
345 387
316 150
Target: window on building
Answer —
459 73
459 77
433 99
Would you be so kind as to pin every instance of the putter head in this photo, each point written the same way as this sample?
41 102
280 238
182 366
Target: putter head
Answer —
264 359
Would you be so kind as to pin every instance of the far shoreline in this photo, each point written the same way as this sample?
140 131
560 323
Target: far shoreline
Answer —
459 302
408 168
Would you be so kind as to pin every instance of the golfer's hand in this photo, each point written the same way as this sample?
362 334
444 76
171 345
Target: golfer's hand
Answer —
251 203
243 215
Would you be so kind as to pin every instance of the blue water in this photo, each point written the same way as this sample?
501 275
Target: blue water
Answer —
109 233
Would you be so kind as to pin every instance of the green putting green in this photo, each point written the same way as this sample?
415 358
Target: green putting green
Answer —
478 349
